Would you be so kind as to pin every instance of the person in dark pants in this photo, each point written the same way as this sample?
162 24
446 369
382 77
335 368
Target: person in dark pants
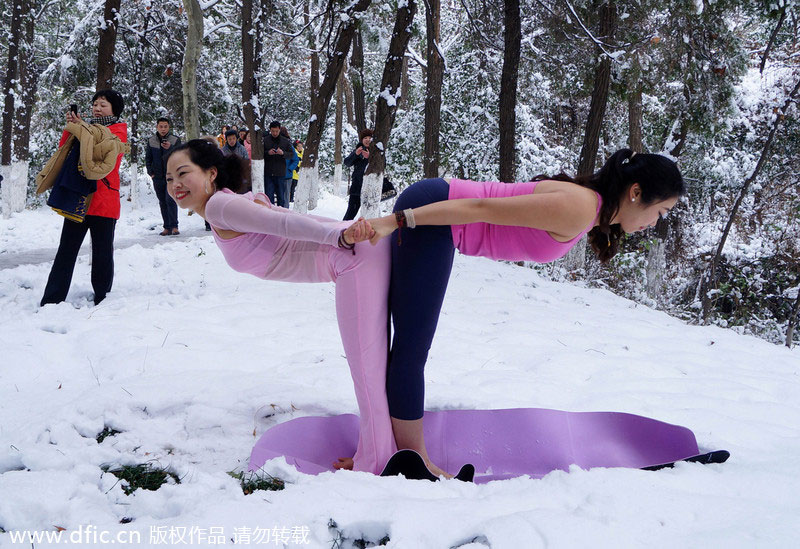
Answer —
103 212
539 221
158 148
358 160
277 150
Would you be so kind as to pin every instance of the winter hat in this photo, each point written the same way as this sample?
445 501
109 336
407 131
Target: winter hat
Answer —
113 97
231 132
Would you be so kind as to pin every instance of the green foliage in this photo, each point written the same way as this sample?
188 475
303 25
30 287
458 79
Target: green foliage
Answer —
105 433
145 476
250 482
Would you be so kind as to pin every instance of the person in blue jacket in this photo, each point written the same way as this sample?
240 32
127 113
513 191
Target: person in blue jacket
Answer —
291 163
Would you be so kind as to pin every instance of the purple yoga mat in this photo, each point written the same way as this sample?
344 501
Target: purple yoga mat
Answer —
500 443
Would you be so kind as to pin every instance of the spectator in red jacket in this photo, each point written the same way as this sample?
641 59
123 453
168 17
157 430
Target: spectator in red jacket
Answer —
101 216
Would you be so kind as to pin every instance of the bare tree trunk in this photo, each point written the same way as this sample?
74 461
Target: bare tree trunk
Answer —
404 85
9 106
508 90
792 321
194 45
386 108
17 190
9 91
635 140
105 49
433 89
29 80
251 68
135 102
305 195
709 281
312 45
337 145
771 41
357 78
348 102
679 140
602 82
657 260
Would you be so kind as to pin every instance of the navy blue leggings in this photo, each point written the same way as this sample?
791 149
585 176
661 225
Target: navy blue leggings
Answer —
421 268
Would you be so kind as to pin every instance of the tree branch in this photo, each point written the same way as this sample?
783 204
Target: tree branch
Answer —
772 38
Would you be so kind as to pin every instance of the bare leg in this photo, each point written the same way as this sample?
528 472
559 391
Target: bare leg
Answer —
408 434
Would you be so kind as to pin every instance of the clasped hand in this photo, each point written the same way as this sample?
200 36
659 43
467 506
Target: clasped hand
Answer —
372 229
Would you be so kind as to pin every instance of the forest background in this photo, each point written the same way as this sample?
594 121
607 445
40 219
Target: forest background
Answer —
481 89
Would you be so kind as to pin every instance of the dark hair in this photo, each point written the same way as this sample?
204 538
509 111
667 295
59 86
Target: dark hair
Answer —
657 175
231 170
231 132
364 133
113 97
285 133
274 124
164 119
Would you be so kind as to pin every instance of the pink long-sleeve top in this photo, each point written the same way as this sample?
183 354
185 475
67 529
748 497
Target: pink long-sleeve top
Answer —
506 242
277 244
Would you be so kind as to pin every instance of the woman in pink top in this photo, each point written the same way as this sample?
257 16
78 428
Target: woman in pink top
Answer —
536 221
277 244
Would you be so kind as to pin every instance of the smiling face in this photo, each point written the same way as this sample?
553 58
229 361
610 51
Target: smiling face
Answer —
634 215
188 184
101 107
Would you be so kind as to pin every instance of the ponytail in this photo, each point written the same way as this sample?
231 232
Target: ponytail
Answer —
231 170
657 175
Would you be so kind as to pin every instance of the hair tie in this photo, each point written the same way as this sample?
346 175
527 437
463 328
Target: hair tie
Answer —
629 158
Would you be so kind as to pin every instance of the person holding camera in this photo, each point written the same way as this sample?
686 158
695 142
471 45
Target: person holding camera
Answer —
358 160
159 147
277 150
107 136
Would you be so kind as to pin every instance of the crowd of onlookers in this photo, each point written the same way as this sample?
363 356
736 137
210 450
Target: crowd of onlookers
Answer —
282 158
83 177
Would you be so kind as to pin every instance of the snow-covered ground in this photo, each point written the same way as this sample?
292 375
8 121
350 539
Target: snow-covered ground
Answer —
192 361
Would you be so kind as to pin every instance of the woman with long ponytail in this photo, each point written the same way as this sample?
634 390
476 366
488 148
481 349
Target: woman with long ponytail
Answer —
536 221
274 243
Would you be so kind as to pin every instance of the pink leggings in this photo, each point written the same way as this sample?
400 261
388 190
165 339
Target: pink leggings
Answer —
362 310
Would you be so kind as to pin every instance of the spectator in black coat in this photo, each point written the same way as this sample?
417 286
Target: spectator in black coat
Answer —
159 147
358 160
277 150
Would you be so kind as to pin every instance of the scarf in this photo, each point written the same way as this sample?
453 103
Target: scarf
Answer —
104 120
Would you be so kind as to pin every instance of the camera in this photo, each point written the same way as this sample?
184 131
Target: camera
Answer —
73 109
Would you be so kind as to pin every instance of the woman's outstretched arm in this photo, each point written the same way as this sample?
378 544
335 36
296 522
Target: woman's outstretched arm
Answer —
564 212
233 212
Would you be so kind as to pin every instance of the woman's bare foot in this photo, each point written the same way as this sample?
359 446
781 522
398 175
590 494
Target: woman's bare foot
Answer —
343 463
436 470
409 434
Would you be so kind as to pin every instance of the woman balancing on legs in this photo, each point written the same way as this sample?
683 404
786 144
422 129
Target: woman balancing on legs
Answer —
277 244
536 221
